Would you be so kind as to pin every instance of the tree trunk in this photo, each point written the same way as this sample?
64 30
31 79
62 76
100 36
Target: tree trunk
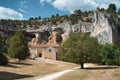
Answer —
82 65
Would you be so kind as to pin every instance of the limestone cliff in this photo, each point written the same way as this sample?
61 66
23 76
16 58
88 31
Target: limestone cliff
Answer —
103 28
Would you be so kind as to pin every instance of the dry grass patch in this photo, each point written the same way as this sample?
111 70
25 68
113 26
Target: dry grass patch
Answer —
93 73
74 75
32 68
116 74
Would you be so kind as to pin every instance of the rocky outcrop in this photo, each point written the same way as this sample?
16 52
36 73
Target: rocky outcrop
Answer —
53 38
103 28
64 29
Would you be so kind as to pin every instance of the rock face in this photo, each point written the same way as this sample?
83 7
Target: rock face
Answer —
66 28
52 38
103 28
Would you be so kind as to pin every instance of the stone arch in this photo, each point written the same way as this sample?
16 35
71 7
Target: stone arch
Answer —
59 39
40 55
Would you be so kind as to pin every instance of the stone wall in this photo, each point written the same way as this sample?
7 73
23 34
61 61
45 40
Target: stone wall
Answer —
50 53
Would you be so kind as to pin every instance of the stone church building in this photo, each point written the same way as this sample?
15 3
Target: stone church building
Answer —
48 50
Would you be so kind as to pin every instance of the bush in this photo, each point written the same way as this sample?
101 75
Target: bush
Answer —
3 59
110 55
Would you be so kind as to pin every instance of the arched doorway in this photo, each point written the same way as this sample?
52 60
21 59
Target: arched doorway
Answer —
40 55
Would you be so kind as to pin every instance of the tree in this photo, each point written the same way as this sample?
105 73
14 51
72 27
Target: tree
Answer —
119 11
39 17
57 15
18 46
80 48
110 54
52 16
31 18
1 44
73 19
77 12
112 8
117 56
36 18
102 9
88 20
106 54
3 58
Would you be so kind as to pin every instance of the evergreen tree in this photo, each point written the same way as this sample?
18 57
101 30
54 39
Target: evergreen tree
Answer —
36 18
119 11
77 12
52 16
112 8
73 19
1 44
57 15
3 58
31 18
80 48
18 46
39 17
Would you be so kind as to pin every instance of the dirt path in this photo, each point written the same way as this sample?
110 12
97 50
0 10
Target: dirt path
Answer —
55 75
93 72
58 74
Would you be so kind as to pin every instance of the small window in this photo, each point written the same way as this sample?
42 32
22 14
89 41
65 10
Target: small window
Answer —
49 50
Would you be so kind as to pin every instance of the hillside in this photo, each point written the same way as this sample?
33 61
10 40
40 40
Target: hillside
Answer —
103 24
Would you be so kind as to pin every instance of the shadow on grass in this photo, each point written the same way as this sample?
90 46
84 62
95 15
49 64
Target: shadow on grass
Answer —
101 67
20 63
9 65
12 76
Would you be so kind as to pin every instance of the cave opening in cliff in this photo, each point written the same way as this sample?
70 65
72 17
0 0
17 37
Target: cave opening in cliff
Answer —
59 39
